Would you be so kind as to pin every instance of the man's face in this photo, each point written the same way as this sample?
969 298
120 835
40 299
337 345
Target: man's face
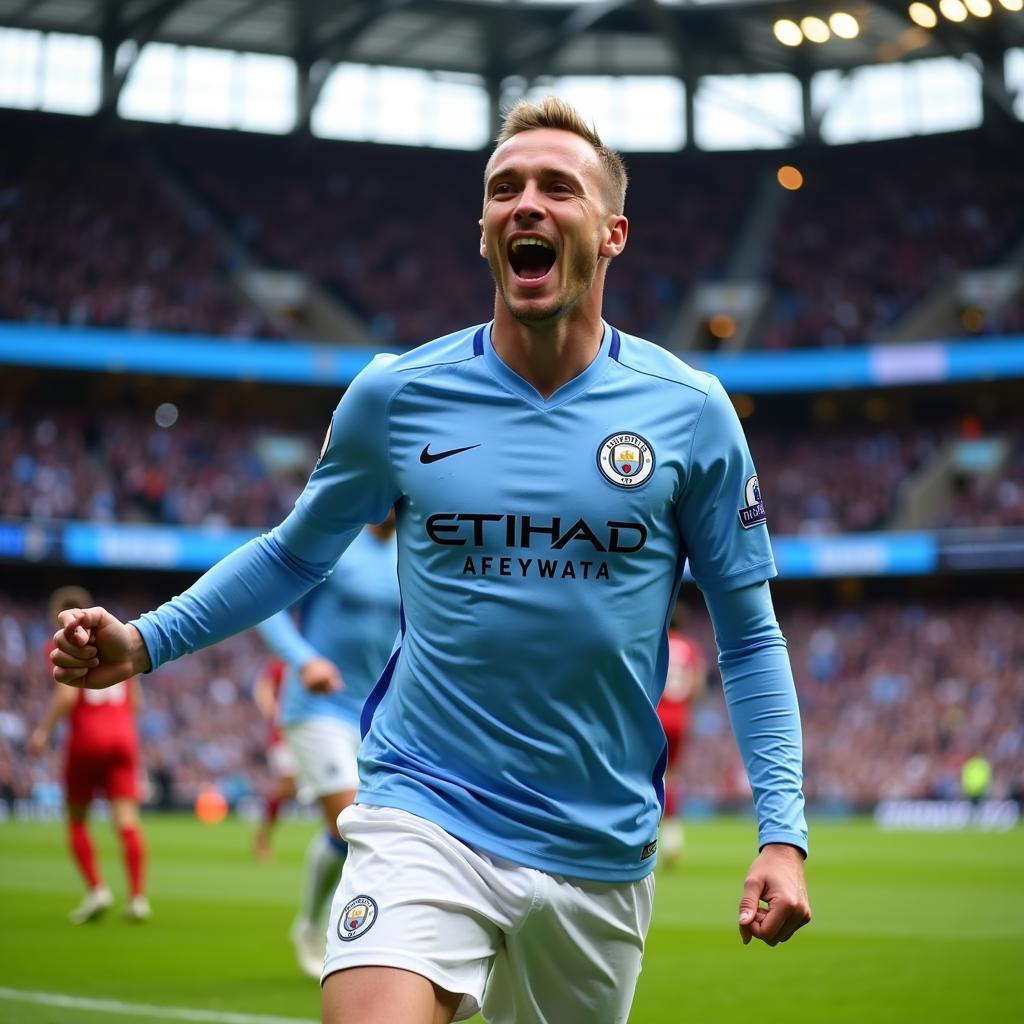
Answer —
546 222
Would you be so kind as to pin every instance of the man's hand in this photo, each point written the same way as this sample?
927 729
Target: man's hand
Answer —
776 878
94 650
319 675
37 741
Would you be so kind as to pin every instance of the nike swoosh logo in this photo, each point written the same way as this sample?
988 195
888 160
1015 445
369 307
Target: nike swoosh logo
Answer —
426 456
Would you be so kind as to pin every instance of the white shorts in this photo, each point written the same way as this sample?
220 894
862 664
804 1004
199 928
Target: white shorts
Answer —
525 946
325 750
281 760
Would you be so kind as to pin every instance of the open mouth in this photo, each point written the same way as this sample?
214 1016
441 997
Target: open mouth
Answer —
531 258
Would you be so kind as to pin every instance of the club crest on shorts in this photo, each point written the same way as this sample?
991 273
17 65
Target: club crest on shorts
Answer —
753 513
357 918
625 459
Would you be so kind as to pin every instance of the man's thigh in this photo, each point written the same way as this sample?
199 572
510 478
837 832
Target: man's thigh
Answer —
385 995
84 775
415 899
121 775
576 958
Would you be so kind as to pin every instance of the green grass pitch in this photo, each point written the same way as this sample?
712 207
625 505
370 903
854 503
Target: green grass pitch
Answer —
907 927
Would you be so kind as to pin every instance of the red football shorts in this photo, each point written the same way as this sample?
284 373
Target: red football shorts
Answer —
114 772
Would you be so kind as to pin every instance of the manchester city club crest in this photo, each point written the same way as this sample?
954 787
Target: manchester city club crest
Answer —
753 512
357 918
625 459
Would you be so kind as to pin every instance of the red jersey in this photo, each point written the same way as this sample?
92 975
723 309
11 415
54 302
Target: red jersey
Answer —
103 720
103 746
686 670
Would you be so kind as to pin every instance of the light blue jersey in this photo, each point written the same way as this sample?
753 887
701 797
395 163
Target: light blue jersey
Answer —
541 547
352 619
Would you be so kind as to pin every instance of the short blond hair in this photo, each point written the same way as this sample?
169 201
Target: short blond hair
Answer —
552 112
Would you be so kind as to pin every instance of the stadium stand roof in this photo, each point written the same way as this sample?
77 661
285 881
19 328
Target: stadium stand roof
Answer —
526 40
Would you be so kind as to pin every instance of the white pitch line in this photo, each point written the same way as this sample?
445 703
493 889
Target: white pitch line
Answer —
144 1009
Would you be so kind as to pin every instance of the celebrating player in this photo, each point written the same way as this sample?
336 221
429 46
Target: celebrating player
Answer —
102 756
348 629
551 477
266 692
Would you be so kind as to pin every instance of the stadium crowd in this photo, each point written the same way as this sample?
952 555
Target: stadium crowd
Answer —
122 467
837 482
111 239
993 499
894 698
99 241
106 466
875 231
197 723
393 231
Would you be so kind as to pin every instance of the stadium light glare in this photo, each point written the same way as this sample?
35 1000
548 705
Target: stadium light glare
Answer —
789 177
923 15
744 406
816 30
973 320
166 415
979 8
844 25
953 10
1012 5
722 326
788 32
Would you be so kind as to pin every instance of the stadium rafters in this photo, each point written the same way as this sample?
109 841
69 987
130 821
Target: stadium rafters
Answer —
511 44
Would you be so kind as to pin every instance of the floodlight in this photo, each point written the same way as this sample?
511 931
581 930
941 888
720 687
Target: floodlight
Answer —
816 30
788 32
844 25
923 15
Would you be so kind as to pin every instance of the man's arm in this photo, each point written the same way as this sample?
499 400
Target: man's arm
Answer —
282 636
95 649
61 703
263 694
350 485
759 692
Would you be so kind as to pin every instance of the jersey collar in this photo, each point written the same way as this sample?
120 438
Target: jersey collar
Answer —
506 376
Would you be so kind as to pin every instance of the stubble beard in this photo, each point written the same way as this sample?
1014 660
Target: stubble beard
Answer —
583 271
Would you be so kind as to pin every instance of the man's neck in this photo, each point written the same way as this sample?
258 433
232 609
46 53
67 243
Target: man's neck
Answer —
547 356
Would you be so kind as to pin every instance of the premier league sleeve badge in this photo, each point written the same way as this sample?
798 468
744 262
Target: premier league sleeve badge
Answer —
752 514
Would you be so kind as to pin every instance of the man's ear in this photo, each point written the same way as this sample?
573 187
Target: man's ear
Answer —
616 228
483 243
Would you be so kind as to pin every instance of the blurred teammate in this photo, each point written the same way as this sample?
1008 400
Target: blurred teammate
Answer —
687 673
348 628
551 477
266 692
102 756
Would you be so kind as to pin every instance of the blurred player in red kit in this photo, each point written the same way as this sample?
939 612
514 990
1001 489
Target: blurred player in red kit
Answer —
266 692
687 673
102 756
